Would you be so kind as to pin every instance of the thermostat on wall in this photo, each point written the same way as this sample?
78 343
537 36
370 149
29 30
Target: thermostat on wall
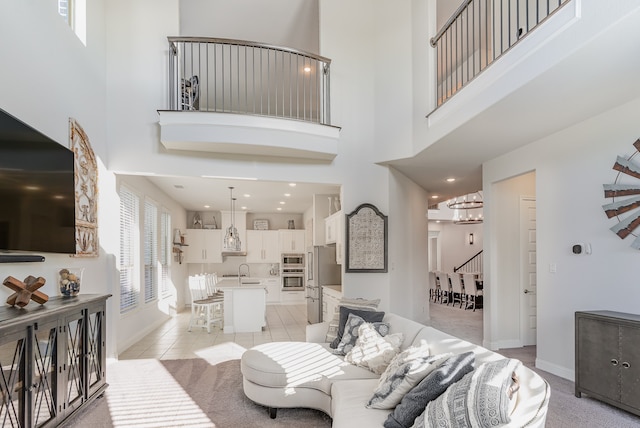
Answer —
581 248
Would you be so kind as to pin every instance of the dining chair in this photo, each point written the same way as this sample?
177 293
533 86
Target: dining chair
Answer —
445 287
434 287
471 287
456 288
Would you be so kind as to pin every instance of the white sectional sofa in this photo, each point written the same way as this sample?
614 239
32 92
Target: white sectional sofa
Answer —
309 374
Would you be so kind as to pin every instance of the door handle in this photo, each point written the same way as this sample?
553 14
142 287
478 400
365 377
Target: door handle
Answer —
529 291
614 362
626 365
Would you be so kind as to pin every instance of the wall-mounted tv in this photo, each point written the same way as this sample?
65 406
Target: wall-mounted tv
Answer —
37 192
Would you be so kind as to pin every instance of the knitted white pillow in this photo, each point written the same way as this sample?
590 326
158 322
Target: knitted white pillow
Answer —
372 350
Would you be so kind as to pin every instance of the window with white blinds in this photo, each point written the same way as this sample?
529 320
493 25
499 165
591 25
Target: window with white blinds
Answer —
165 251
129 227
150 251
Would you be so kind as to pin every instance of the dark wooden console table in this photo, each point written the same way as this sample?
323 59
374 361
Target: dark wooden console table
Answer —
52 358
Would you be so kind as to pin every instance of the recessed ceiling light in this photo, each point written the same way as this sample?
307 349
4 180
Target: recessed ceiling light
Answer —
435 197
246 195
207 206
292 184
279 208
287 194
282 202
437 221
244 208
451 180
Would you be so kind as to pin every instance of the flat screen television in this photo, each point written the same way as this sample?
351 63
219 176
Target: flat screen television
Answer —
37 191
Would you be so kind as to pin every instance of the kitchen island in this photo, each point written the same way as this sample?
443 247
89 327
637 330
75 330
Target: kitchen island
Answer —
244 305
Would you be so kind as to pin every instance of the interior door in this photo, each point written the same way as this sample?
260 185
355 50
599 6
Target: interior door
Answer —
528 280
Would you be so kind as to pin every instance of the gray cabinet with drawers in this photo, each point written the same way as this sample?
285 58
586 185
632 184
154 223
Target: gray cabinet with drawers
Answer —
608 358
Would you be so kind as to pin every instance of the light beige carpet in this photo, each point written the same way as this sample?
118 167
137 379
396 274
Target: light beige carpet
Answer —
184 393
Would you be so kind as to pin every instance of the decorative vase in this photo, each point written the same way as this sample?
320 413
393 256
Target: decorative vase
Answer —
69 281
336 204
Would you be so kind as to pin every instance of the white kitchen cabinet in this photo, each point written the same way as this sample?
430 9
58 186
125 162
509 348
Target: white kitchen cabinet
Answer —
292 297
273 286
204 246
330 232
331 295
263 246
334 233
292 241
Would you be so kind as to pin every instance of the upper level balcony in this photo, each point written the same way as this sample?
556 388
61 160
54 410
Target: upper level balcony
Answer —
246 98
479 33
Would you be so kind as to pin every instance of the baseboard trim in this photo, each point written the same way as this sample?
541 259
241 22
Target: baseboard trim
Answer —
502 344
555 369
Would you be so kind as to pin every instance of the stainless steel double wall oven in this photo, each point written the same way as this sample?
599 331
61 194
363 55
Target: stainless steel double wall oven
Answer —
292 272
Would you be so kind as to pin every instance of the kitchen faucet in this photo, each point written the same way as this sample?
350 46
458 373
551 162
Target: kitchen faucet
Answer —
240 268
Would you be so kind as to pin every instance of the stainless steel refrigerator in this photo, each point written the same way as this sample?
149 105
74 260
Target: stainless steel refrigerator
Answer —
322 269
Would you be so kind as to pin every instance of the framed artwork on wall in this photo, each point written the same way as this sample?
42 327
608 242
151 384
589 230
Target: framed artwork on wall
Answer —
366 239
86 191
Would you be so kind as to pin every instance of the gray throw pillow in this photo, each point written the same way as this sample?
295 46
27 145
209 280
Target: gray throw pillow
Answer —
430 388
367 316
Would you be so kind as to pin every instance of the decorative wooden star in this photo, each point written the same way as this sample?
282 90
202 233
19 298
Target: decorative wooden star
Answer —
25 291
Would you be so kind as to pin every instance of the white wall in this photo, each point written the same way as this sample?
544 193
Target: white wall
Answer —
290 23
392 34
408 262
570 168
455 244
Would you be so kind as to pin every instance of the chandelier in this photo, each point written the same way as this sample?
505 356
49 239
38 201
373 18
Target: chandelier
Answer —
231 237
465 208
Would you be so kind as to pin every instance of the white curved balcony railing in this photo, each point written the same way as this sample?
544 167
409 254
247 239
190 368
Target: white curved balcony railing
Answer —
235 76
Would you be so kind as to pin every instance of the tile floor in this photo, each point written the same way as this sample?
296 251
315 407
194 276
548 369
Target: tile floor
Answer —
172 341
